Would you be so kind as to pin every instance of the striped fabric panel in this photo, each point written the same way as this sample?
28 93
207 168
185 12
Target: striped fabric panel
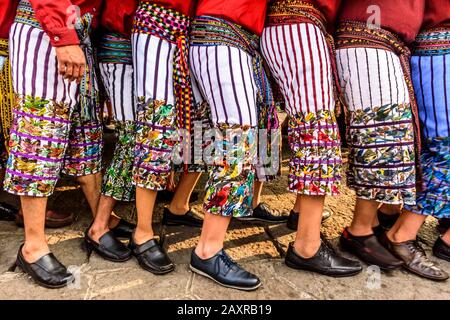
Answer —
35 67
431 78
371 77
225 78
153 63
299 60
119 81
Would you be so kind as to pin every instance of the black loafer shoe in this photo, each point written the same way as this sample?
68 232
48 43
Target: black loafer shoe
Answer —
292 222
387 220
223 270
265 213
8 212
189 219
369 250
109 247
326 261
152 257
47 271
441 249
124 229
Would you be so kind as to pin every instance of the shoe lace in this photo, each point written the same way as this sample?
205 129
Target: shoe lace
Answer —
327 243
228 261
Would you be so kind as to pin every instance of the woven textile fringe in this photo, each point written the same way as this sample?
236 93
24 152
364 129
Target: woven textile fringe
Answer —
7 96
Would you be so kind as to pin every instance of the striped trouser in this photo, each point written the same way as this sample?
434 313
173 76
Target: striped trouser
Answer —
381 133
431 78
48 135
155 111
299 59
225 81
118 80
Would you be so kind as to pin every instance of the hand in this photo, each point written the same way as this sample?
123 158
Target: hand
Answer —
71 62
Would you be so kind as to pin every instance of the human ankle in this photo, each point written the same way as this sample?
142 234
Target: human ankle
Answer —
360 231
177 209
307 249
141 236
398 237
34 250
207 251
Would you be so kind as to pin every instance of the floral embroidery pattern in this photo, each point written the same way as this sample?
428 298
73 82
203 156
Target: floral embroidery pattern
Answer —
229 190
117 180
47 138
315 167
381 159
155 140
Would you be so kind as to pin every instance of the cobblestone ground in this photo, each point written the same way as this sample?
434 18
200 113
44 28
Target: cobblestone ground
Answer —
258 247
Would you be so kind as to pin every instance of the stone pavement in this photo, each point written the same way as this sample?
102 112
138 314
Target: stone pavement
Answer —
258 247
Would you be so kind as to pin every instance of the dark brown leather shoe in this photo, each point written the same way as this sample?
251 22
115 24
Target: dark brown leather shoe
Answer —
441 249
414 258
369 250
53 219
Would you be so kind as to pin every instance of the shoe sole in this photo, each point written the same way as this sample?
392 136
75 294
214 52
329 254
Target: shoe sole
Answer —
223 284
262 220
346 248
153 271
424 275
174 224
329 274
42 284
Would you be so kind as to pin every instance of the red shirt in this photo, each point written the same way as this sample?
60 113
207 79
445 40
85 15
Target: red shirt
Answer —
117 16
250 14
329 8
403 17
437 12
55 17
7 15
185 7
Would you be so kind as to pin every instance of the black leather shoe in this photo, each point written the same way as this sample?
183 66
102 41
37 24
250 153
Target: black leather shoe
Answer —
263 212
369 250
387 220
443 225
292 222
8 212
189 219
326 261
152 257
47 271
124 229
441 249
223 270
414 258
108 247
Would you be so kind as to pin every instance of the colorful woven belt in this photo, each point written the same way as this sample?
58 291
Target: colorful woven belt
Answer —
212 31
114 48
89 99
356 34
7 97
173 27
432 42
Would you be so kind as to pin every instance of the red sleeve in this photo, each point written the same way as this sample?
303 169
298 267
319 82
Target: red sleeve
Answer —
7 15
330 9
54 16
